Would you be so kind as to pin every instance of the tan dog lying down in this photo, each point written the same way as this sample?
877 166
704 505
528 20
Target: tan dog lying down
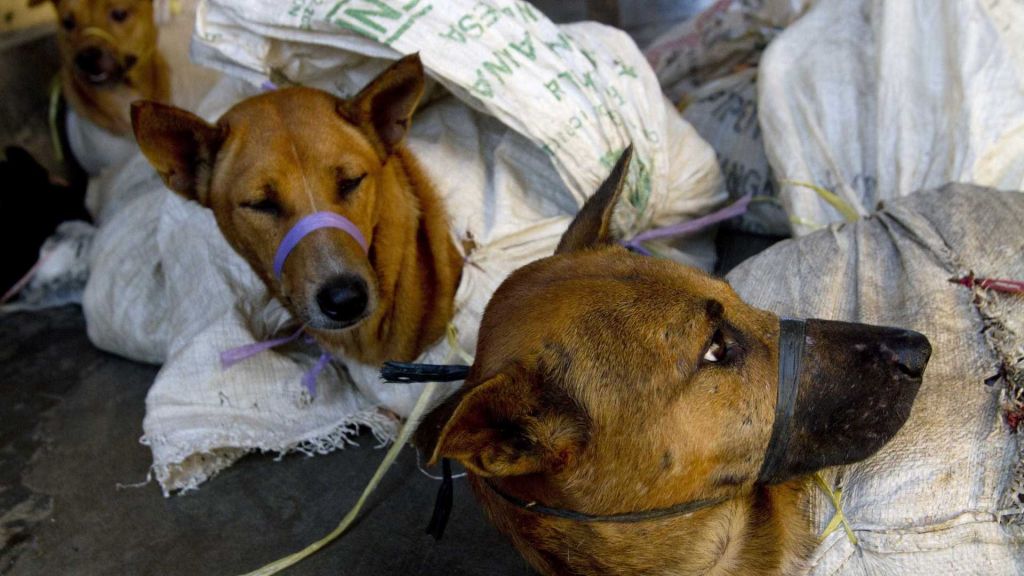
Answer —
626 415
317 154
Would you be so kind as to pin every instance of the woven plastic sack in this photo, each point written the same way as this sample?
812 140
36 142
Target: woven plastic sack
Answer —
945 495
707 65
873 100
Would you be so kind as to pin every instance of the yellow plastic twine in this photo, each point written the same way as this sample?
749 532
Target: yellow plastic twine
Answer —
389 459
832 198
839 519
58 152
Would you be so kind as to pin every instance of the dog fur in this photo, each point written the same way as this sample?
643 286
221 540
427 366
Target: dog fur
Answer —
606 382
277 157
124 52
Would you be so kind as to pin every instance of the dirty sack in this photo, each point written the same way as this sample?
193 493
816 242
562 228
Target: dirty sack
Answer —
946 495
708 66
523 121
875 100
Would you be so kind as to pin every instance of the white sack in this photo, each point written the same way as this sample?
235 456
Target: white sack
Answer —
931 501
181 296
874 100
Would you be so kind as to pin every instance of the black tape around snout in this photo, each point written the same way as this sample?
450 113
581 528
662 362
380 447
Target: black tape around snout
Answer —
791 351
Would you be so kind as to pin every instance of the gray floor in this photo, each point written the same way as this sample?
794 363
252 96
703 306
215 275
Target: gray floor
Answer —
71 417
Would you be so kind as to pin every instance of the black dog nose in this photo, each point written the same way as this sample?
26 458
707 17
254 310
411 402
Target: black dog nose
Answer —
97 64
909 350
88 60
343 298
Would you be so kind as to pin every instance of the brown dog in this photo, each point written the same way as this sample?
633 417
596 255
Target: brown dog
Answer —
621 409
109 58
278 157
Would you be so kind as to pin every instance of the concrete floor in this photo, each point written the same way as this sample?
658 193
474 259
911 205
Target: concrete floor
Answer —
71 417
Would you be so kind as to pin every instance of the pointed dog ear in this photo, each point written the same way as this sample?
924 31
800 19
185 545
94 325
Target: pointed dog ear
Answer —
384 108
592 225
498 429
180 145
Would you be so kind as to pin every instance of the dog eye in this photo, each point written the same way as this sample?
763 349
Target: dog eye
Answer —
68 22
348 185
266 206
118 14
720 349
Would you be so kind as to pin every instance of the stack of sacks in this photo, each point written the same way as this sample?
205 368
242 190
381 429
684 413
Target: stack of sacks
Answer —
708 66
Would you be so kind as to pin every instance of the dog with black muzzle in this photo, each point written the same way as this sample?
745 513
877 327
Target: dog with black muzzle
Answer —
628 415
109 58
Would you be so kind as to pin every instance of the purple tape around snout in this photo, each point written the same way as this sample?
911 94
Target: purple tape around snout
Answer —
310 224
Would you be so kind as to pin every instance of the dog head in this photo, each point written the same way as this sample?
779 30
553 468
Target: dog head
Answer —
275 159
606 383
101 41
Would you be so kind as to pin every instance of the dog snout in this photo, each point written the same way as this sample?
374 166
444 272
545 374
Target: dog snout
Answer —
96 64
343 298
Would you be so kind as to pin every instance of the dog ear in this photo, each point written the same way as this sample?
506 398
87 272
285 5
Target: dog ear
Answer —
499 429
592 225
180 145
384 108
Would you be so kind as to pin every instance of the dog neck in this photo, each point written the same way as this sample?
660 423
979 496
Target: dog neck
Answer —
763 533
417 273
766 532
108 106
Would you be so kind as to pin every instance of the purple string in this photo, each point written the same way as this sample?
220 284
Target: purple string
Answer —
311 223
735 209
309 378
268 86
232 356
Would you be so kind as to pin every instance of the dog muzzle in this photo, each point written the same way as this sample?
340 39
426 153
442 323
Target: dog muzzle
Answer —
792 334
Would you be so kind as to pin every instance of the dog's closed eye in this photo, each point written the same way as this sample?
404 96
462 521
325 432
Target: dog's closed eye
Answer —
265 206
68 22
348 185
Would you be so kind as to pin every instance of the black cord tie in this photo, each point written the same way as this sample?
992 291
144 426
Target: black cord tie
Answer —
407 372
443 503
